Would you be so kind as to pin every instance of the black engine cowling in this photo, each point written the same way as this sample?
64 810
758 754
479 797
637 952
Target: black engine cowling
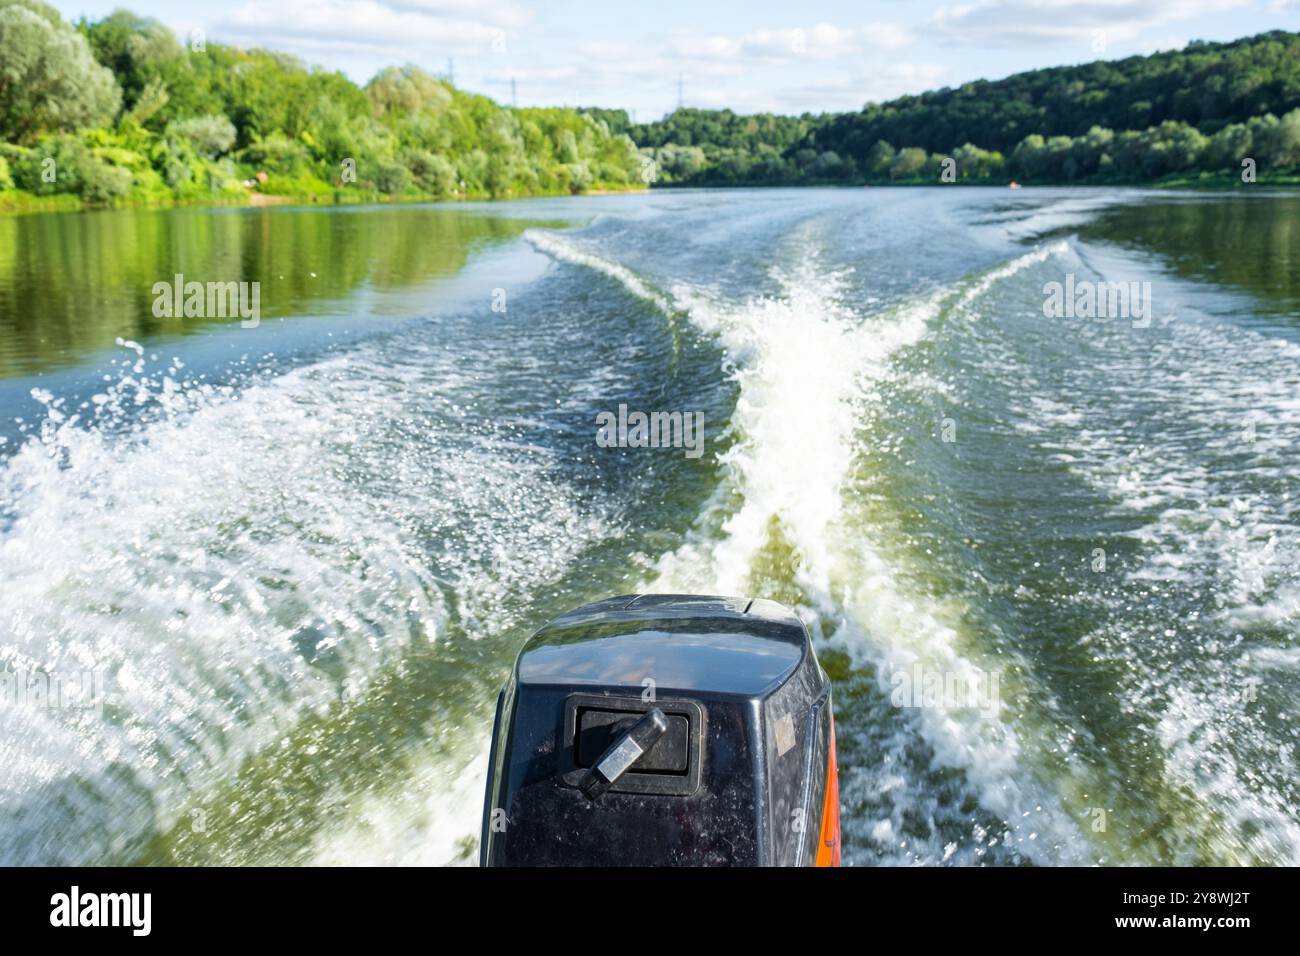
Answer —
664 730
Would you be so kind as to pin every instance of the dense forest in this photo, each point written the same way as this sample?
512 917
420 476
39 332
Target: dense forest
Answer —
1198 111
121 110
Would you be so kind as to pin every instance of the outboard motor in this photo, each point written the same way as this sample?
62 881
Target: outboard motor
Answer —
654 730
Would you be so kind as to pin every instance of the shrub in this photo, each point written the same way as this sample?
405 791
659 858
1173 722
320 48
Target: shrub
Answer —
432 173
392 178
49 80
209 135
908 163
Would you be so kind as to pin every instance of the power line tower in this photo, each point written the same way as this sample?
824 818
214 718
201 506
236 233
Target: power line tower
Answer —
679 91
514 94
451 71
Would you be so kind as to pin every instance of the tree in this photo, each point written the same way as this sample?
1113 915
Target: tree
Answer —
1280 142
908 163
1229 146
49 80
1037 158
976 163
880 158
392 178
209 135
678 164
1172 147
1206 86
135 48
76 170
828 165
432 173
406 89
935 166
1086 151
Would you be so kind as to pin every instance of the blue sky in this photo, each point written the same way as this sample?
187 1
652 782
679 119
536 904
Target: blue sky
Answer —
763 55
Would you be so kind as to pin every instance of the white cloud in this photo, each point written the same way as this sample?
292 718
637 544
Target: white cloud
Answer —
394 30
823 41
884 82
743 72
498 12
847 93
709 61
821 66
591 79
1013 23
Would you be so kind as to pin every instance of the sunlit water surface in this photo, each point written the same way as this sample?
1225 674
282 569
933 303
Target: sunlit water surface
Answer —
301 557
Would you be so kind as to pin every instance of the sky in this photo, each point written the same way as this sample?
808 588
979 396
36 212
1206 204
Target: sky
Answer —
761 55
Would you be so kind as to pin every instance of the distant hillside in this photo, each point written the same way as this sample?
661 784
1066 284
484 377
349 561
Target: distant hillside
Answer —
1185 97
1206 85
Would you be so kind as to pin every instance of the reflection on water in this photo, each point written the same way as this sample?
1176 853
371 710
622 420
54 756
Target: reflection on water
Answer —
1248 241
306 582
71 284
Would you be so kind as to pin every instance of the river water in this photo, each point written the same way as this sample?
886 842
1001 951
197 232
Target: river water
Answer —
297 559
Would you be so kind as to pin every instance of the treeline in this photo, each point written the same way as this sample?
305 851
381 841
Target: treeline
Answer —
1172 149
1204 85
720 148
1197 111
120 109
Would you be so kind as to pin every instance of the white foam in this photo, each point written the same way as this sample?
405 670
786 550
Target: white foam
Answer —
566 250
249 555
808 366
1188 428
431 817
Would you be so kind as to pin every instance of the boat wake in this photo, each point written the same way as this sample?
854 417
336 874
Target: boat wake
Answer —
809 369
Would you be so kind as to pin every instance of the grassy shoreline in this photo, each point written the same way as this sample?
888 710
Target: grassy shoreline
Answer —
18 202
1206 181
